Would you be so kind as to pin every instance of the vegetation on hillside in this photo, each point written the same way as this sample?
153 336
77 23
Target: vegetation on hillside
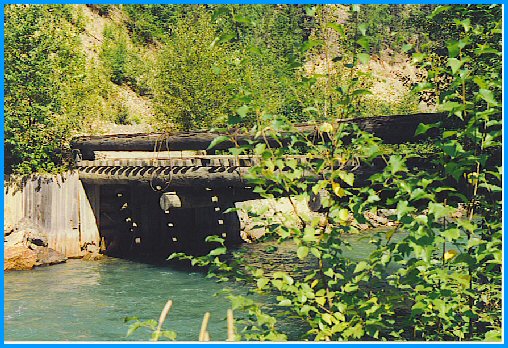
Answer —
192 66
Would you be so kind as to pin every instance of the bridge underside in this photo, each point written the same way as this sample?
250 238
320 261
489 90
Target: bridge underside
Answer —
136 221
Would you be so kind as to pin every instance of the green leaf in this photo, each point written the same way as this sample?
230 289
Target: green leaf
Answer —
254 49
327 318
403 209
361 91
348 178
493 336
396 164
171 335
453 48
226 38
362 27
438 10
423 128
217 239
466 24
218 251
337 27
309 44
217 141
418 57
329 272
406 48
302 252
262 282
243 110
315 252
343 214
423 86
439 210
455 64
350 287
234 119
242 19
309 109
285 303
310 10
364 43
361 266
451 234
133 328
488 96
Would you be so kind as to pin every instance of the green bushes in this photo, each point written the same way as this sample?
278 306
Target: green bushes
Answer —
438 274
44 76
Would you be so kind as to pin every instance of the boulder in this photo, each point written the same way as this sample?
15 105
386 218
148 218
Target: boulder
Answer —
25 246
8 229
93 257
19 257
27 231
15 238
48 256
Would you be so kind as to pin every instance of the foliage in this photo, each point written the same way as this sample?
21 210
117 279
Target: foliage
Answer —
44 77
437 275
149 24
151 326
195 81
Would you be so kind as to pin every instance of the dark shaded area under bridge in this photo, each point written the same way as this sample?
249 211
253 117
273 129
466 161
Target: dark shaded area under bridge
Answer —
149 205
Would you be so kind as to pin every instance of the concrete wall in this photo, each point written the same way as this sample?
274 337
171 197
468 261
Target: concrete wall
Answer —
60 205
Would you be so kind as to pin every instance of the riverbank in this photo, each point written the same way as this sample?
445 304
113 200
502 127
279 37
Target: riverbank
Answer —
26 246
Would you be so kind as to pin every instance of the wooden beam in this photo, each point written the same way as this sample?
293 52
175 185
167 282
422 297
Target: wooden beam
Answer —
391 129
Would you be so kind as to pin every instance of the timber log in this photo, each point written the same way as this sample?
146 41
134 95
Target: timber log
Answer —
391 129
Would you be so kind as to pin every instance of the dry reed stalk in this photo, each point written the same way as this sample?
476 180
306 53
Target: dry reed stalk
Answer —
203 334
162 318
231 326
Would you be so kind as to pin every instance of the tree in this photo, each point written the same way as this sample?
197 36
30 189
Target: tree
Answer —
43 65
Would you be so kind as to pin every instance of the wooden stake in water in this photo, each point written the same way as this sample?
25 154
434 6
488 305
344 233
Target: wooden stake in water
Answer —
162 318
231 326
203 334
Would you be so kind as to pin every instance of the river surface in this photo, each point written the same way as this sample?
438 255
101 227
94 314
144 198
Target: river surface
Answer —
88 300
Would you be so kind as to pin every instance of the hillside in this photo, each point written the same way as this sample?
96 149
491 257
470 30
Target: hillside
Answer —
137 68
392 74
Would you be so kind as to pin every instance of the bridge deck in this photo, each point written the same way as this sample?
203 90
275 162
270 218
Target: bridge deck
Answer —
161 163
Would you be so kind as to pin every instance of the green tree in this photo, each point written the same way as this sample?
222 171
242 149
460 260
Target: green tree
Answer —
43 66
196 75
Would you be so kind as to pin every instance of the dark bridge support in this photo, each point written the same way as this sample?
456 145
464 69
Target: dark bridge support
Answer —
134 225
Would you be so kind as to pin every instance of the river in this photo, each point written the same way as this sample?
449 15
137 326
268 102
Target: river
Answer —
88 300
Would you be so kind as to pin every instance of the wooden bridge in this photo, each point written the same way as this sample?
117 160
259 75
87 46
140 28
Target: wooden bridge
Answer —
153 194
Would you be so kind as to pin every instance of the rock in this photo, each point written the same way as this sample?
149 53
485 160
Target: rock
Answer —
15 238
376 220
30 232
19 257
91 248
48 256
93 257
8 229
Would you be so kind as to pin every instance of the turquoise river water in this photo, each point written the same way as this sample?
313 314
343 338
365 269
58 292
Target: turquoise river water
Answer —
88 300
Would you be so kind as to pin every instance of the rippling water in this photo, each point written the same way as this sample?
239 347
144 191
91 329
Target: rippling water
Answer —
88 300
